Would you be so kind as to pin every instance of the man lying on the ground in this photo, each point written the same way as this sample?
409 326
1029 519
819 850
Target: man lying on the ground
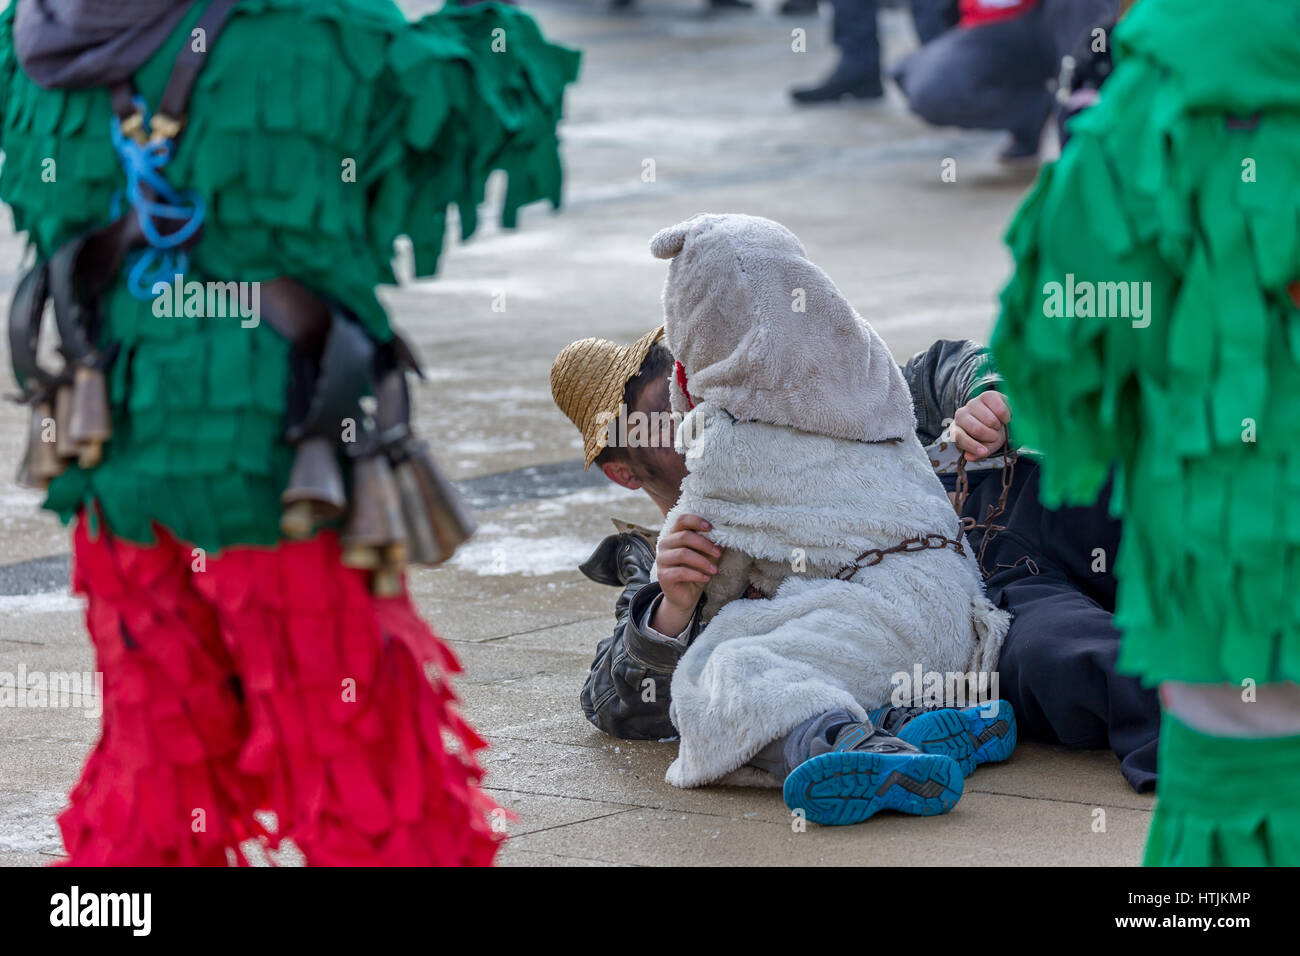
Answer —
780 691
1052 569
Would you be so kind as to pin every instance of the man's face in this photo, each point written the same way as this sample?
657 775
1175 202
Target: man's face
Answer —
655 466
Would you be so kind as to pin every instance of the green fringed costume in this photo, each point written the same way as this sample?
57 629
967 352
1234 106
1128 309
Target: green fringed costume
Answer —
296 94
268 676
1175 210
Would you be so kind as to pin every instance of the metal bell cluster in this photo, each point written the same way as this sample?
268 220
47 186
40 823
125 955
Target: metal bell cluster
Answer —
70 416
71 425
401 509
315 494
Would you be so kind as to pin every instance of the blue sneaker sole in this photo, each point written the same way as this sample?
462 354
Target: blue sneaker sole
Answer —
841 788
973 736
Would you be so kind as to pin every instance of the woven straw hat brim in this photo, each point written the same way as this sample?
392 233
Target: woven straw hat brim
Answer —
588 378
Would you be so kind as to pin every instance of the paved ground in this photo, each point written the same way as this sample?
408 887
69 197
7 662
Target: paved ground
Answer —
704 99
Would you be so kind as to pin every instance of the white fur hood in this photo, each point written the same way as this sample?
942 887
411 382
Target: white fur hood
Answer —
764 333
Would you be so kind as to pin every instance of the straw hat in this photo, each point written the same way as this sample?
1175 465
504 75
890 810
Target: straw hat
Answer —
587 382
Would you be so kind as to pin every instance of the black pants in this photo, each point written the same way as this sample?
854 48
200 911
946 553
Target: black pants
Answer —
995 76
985 77
1053 570
856 32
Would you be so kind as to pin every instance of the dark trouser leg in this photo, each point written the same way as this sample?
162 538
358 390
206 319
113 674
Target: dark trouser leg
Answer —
1083 541
1080 542
1058 671
987 77
1069 22
933 18
813 737
1058 661
854 31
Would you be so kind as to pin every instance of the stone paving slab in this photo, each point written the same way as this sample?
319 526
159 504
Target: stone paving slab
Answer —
983 830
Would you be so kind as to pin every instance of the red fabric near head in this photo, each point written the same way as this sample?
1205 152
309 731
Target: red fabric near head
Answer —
681 381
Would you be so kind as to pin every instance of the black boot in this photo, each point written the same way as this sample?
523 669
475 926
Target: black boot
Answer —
1022 149
731 5
847 80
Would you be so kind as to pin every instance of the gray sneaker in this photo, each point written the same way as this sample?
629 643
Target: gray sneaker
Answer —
869 771
865 737
891 719
971 736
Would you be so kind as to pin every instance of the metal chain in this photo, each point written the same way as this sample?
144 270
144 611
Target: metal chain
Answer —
873 556
994 511
927 542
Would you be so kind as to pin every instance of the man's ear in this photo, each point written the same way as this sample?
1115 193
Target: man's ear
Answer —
619 473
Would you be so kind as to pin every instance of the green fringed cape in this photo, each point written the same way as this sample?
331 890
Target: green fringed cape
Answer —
296 95
1185 176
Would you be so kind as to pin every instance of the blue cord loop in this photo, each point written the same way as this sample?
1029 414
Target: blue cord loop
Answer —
143 163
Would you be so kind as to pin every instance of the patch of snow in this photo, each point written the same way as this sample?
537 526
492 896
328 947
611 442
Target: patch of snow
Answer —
488 446
609 494
47 602
28 826
512 393
498 554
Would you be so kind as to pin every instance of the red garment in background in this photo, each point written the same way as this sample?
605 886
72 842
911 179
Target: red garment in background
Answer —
976 13
267 679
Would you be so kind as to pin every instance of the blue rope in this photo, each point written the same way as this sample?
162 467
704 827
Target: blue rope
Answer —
143 164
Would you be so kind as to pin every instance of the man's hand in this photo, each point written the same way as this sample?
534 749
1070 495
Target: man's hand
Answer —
687 562
980 426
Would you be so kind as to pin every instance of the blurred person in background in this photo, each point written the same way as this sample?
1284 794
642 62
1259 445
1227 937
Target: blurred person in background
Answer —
713 5
856 32
992 70
1084 71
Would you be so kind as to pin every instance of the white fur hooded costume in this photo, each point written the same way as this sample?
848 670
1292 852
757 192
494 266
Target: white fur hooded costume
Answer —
802 454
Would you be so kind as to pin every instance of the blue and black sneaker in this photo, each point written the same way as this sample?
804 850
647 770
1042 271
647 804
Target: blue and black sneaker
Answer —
867 772
971 736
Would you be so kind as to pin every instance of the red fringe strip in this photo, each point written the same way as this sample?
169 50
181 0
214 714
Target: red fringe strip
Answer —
271 679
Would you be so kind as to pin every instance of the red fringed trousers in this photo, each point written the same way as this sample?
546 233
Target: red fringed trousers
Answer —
267 679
